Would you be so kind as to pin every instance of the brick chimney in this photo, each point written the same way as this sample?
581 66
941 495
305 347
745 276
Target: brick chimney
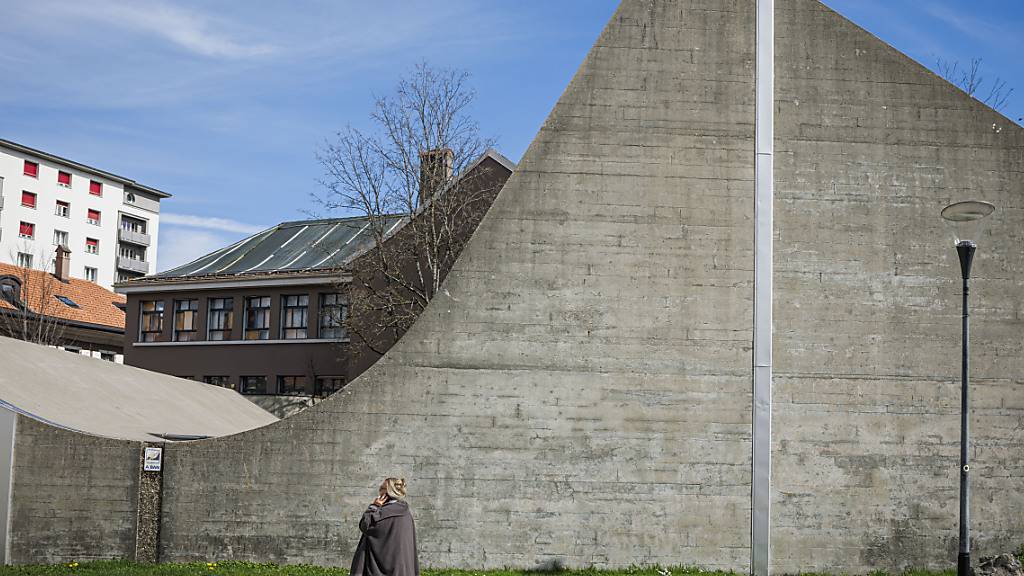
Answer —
436 167
62 267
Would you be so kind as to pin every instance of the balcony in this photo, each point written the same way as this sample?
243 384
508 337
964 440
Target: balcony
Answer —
140 238
133 265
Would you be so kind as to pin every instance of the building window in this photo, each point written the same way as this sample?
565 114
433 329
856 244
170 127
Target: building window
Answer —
63 209
257 318
252 384
108 356
293 316
132 252
185 320
327 385
27 230
222 381
92 246
333 311
151 320
24 260
95 188
90 274
31 169
291 385
28 199
93 217
60 238
220 318
133 224
64 179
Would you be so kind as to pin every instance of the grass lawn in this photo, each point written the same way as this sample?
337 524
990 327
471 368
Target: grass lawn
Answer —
119 568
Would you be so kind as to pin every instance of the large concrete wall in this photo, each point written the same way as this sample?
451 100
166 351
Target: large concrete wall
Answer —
74 497
582 393
869 147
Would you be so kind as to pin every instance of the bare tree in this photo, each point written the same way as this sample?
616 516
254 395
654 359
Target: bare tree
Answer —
30 307
407 175
971 80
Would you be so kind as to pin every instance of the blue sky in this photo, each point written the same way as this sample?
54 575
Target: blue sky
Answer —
224 104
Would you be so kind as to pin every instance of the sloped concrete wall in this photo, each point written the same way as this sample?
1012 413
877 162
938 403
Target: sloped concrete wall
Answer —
870 147
583 395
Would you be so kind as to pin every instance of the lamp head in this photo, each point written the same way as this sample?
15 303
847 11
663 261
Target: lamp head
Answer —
966 219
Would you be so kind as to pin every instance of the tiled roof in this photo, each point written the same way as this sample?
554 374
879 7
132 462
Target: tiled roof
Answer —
307 245
96 304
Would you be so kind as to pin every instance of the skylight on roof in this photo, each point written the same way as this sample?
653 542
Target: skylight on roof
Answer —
67 301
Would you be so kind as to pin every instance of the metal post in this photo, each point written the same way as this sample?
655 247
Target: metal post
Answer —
965 250
761 460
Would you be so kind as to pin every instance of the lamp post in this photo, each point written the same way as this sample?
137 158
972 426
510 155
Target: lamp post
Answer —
965 217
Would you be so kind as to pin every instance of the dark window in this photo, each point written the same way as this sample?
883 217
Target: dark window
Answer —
327 385
293 316
292 385
67 301
253 384
220 318
185 320
108 356
151 320
257 318
10 290
333 311
222 381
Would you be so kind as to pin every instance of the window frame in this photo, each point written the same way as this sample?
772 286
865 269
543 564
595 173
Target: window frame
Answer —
327 312
35 169
94 221
243 382
318 385
220 322
62 204
145 321
294 316
67 237
95 273
35 199
189 315
95 246
261 332
99 187
61 173
22 257
31 230
297 385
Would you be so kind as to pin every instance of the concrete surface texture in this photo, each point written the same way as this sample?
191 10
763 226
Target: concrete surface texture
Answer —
117 401
582 393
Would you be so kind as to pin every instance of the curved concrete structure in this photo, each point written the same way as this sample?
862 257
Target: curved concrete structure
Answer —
582 393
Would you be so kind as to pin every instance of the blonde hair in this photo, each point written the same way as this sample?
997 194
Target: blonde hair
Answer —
395 488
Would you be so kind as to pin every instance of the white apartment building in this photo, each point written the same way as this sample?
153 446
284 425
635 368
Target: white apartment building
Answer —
109 222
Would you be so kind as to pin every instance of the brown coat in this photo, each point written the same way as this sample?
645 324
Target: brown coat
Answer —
388 544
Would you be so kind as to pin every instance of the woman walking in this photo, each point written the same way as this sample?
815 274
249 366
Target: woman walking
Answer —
388 544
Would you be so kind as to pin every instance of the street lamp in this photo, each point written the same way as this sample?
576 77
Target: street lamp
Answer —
966 219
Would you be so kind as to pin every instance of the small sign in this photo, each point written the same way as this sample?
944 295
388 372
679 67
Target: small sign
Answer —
153 460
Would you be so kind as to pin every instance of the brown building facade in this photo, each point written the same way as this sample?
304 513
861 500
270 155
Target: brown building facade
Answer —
269 315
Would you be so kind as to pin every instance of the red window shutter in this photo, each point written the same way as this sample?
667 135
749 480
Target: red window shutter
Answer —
28 199
95 188
92 242
27 229
94 215
64 178
31 168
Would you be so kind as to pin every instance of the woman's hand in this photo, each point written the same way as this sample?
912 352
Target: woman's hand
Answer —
380 500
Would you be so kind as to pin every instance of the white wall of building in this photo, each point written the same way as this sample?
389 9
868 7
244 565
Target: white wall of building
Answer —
111 205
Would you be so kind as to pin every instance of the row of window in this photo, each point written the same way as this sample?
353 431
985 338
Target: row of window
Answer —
61 208
25 260
256 325
286 385
27 230
63 178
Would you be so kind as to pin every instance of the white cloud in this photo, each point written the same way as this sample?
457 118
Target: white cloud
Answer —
209 223
181 245
191 30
